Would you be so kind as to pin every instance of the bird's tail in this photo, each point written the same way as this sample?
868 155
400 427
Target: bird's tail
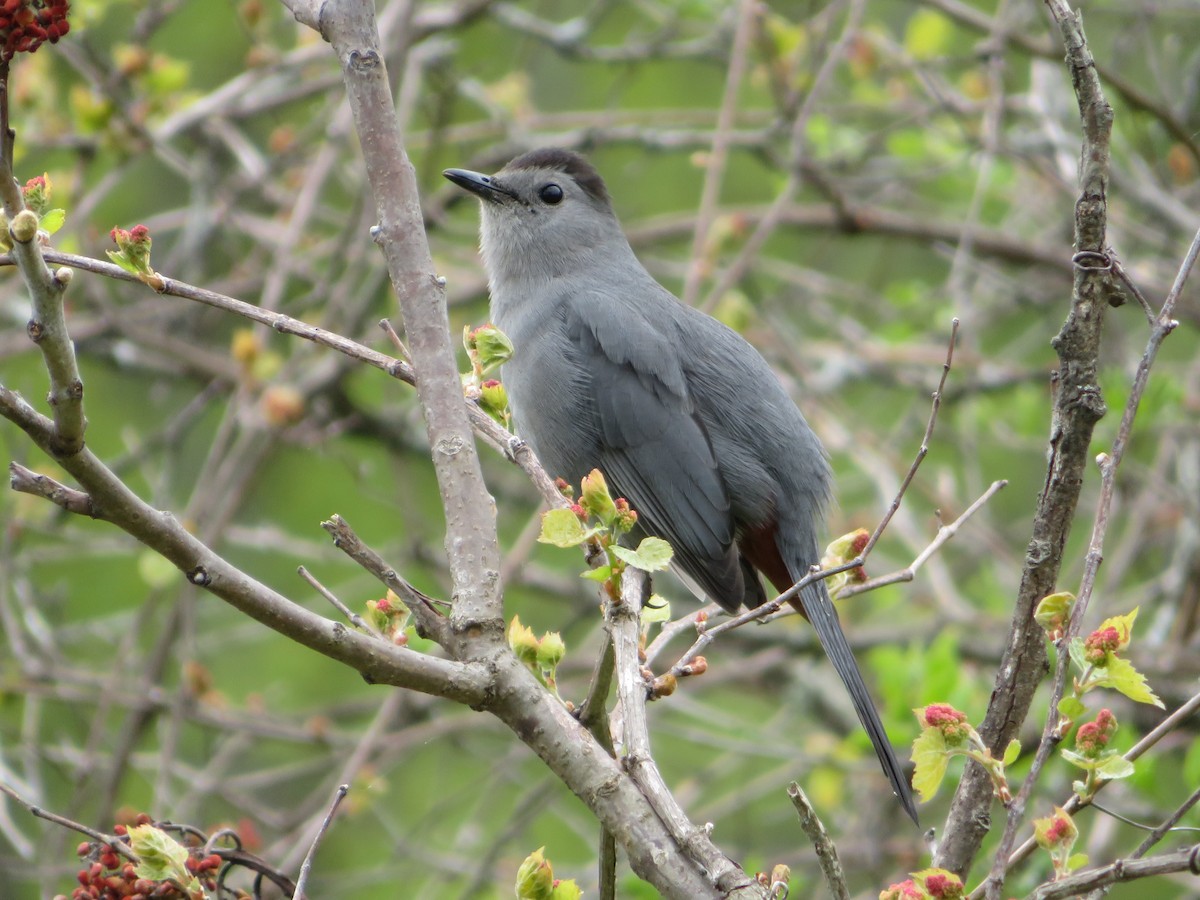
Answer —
817 607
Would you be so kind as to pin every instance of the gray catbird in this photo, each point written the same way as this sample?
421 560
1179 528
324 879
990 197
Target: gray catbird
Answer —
684 418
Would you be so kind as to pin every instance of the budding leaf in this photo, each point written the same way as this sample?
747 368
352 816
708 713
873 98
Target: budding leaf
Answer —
600 573
1124 626
1077 759
1012 751
1077 861
1071 707
1114 767
566 890
652 555
52 220
1054 611
595 497
493 348
930 757
1121 675
562 528
160 856
535 877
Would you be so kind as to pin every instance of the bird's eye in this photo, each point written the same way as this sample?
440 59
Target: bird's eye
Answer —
551 194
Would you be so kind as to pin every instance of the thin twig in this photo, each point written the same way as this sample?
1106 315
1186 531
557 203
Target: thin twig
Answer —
1186 859
98 836
922 451
429 621
352 617
944 534
29 482
306 866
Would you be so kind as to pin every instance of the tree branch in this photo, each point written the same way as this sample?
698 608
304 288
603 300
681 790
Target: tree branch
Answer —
1078 405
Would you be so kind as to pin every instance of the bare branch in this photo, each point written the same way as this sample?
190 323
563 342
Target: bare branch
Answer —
306 867
430 623
944 534
1186 859
1078 406
831 866
114 502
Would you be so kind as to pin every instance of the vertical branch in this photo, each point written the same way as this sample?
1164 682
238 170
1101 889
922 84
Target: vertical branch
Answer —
1078 405
47 326
471 545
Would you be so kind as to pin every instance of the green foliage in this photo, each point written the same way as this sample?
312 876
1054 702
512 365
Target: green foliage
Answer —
160 856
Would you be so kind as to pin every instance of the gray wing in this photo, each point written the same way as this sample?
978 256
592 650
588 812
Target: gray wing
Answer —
654 449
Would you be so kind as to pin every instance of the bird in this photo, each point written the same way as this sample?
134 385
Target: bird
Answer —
681 414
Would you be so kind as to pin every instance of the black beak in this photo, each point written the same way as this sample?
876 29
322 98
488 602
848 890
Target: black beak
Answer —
484 186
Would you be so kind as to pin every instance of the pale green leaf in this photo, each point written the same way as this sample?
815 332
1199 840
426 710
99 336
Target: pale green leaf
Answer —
122 260
566 890
52 220
1076 651
1012 752
652 555
1115 766
1122 676
600 573
1077 861
1071 707
656 609
1078 759
562 528
929 755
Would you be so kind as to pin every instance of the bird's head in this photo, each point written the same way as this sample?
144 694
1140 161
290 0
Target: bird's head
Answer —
544 215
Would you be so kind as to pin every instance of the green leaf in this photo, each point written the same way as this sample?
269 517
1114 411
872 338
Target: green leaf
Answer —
1078 759
930 756
600 573
562 528
652 555
52 220
1115 766
1012 751
657 609
1077 861
1071 707
1122 676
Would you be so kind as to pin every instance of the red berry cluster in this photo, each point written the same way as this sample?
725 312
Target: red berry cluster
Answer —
111 877
26 24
